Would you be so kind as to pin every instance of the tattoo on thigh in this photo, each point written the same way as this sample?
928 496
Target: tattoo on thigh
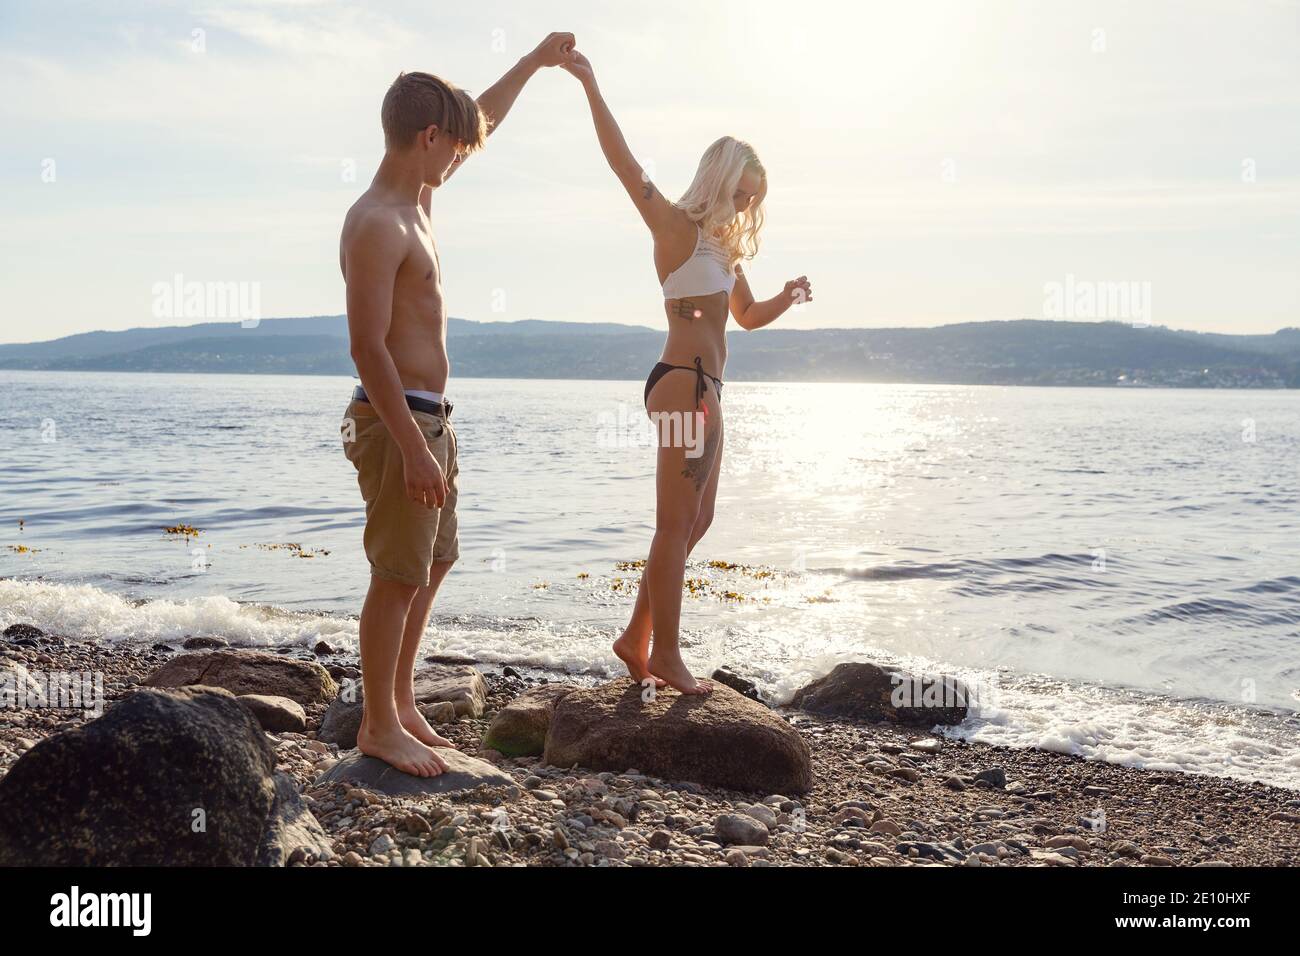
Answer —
700 468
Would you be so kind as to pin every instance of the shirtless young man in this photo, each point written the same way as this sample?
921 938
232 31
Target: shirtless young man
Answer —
396 431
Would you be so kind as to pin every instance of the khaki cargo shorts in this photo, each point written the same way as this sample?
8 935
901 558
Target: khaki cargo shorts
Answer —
402 538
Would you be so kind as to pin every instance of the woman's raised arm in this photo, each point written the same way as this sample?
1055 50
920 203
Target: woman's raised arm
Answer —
659 214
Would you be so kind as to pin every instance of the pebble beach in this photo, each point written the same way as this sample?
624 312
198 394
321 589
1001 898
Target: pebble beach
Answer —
882 796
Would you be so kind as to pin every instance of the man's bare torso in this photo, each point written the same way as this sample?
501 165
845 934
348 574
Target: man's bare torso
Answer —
417 337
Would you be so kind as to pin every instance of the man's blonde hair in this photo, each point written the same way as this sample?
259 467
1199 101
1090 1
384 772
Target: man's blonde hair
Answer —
417 101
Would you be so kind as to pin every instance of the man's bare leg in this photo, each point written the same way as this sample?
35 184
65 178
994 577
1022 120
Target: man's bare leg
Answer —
417 618
383 618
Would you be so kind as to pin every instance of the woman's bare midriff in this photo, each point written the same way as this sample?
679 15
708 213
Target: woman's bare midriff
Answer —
697 326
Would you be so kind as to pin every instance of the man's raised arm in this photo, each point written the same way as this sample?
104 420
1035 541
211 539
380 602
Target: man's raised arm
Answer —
496 100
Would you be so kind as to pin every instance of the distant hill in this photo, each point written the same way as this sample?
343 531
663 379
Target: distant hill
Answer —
1017 352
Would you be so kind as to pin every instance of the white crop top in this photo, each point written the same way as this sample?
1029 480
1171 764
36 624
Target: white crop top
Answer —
708 271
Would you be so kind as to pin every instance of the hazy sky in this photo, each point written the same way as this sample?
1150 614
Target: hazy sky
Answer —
929 162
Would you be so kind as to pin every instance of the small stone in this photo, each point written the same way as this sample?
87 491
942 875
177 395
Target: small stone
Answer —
660 840
1152 859
736 857
994 776
201 643
1078 843
737 828
905 773
954 783
1047 856
762 814
930 745
381 845
887 826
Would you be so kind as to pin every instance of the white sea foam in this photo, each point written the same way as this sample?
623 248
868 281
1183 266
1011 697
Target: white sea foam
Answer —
84 611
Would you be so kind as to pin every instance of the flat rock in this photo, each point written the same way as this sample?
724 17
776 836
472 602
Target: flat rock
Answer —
722 738
370 773
871 692
276 714
179 777
519 728
248 672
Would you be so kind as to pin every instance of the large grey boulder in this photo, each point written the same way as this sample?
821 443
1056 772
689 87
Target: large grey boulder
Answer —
165 778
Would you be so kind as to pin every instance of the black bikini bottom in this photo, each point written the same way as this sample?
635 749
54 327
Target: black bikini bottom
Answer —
701 386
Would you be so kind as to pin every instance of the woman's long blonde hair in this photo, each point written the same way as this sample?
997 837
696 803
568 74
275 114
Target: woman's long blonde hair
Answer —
709 201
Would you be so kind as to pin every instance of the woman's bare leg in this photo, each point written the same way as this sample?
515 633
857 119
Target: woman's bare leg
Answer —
633 645
680 483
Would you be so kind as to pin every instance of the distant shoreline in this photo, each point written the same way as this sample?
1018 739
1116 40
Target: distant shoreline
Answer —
1001 353
731 381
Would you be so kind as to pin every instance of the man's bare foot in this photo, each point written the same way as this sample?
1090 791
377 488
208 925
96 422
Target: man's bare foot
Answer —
418 727
633 651
402 751
668 666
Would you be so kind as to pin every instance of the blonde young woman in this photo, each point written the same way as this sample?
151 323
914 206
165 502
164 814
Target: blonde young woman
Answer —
699 242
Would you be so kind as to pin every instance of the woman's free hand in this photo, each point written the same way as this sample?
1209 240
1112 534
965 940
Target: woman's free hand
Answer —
798 291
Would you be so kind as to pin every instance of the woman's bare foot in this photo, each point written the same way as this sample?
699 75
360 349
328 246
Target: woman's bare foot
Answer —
633 651
418 727
668 666
401 750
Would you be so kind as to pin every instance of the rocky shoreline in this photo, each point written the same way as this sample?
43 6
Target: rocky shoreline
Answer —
880 793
